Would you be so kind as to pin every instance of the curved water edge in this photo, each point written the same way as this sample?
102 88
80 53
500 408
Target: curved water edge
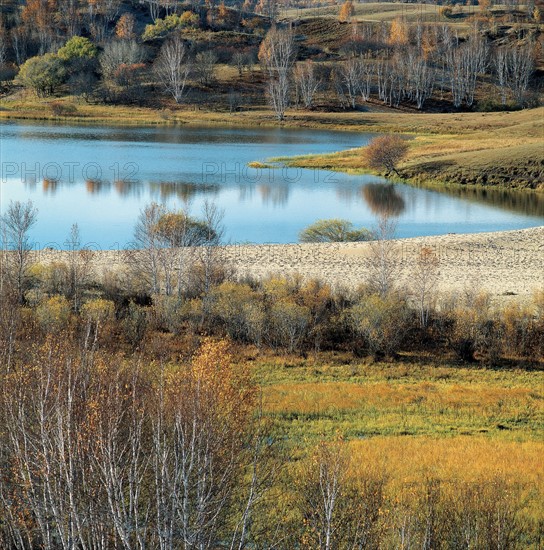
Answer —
100 177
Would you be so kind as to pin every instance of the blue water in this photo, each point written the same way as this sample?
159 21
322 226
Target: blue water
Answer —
100 177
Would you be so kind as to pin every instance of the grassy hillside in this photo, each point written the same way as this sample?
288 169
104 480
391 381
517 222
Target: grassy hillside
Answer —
388 11
499 149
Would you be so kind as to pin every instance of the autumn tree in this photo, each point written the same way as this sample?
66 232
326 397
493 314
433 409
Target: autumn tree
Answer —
39 17
382 320
386 152
399 32
347 11
199 436
124 29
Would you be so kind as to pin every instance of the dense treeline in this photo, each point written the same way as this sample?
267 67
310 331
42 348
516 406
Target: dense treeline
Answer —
119 52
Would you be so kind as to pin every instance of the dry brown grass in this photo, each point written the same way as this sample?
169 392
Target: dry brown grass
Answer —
312 397
486 148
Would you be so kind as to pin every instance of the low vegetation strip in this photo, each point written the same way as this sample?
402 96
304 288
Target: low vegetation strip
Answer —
500 263
505 264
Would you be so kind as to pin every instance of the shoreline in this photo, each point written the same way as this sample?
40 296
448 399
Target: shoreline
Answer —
506 264
491 150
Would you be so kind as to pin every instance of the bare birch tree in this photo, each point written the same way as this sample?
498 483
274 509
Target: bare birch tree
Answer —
383 262
424 280
16 224
307 83
173 67
351 73
420 78
514 66
79 267
465 64
319 491
277 55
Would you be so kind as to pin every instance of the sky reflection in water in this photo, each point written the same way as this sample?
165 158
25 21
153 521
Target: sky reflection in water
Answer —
102 177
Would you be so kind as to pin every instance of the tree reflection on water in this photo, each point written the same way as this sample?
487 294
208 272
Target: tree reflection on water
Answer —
383 199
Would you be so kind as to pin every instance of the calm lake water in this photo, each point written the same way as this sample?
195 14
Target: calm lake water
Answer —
100 177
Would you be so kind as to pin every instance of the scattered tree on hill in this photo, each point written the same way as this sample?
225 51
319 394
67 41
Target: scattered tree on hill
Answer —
241 61
173 67
277 54
205 66
347 11
333 231
43 74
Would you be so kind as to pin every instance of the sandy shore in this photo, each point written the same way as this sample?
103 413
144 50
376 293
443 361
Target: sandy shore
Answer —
504 263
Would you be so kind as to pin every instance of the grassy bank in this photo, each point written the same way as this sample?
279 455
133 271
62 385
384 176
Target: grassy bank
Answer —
487 149
419 396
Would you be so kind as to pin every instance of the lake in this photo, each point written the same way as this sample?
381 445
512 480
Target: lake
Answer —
100 177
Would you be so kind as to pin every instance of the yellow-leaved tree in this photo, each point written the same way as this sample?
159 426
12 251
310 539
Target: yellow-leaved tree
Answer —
347 11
